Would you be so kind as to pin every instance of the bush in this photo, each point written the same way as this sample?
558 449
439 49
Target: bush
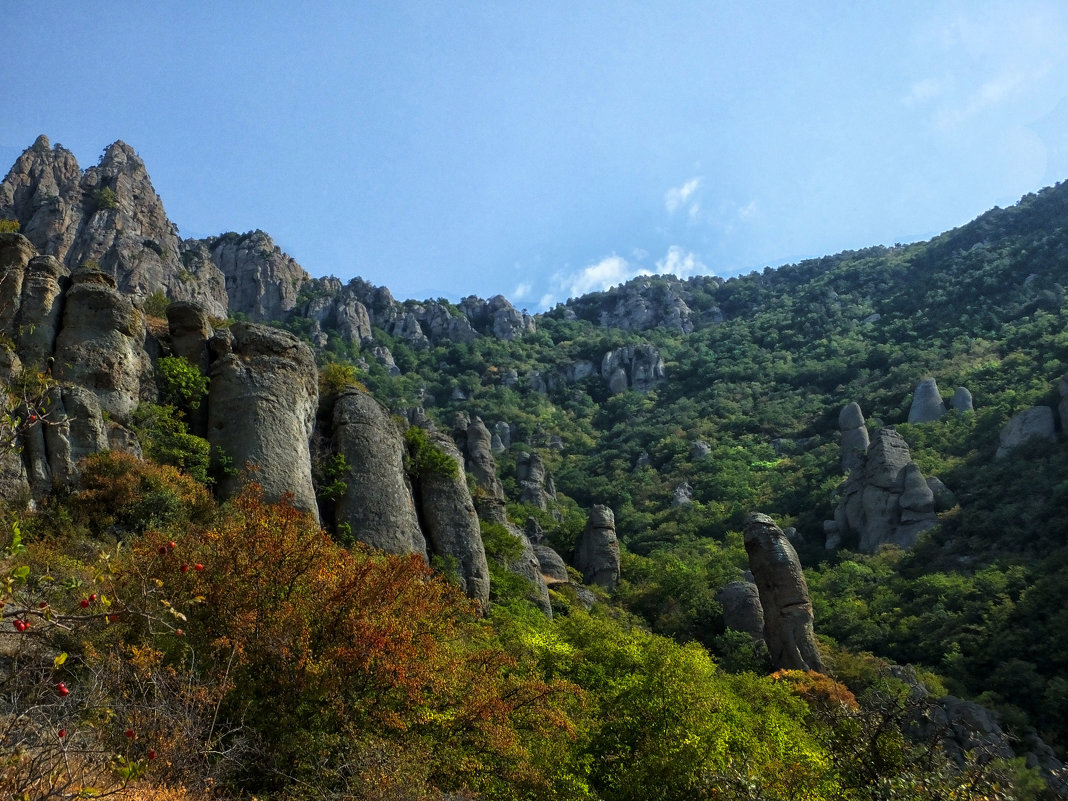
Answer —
9 226
424 457
166 439
180 382
155 305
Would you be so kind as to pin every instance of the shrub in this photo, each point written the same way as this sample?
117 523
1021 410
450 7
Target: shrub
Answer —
155 305
9 226
424 457
105 198
166 439
180 382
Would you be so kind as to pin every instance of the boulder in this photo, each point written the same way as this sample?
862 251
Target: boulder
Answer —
783 596
531 475
637 367
451 525
855 440
927 405
961 400
597 550
1033 423
478 456
553 567
76 430
699 450
944 498
378 504
742 610
262 401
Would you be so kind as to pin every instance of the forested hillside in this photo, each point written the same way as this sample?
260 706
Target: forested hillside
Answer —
435 550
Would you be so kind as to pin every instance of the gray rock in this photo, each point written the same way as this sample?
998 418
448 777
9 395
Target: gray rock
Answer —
451 524
832 535
504 432
961 400
699 450
76 430
682 496
553 567
1033 423
531 475
528 567
944 499
378 504
262 402
783 595
580 370
641 365
742 610
261 281
478 455
508 322
100 345
927 405
382 355
40 309
855 440
597 549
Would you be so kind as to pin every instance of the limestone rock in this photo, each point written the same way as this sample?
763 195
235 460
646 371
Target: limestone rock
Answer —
378 503
943 496
262 401
742 610
855 440
531 475
508 322
479 458
927 405
885 501
682 496
699 450
637 367
76 430
783 596
262 282
15 254
1033 423
961 400
451 524
100 345
597 549
553 567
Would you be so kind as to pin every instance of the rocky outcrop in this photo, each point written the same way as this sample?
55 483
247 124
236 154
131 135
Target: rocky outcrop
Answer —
478 456
262 282
31 298
377 504
531 475
450 523
927 405
597 550
261 407
76 430
783 596
637 367
111 216
553 568
961 400
885 500
100 345
855 439
1033 423
742 610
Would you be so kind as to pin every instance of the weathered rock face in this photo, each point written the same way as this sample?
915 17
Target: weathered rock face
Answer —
77 430
783 596
637 367
478 452
261 407
497 316
927 405
378 503
531 475
1033 423
597 549
110 214
553 567
961 400
528 566
451 525
742 610
261 281
885 501
855 439
31 298
100 345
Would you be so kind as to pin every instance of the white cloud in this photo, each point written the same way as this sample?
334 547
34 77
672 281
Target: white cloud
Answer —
521 291
748 211
678 196
547 301
682 263
925 91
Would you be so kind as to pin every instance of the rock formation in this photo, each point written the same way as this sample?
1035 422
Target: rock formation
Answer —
531 475
637 367
553 567
450 523
961 400
783 596
927 405
377 505
261 407
885 500
1033 423
855 439
742 610
597 549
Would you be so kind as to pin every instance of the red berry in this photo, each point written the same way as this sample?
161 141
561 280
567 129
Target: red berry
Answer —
61 688
92 598
198 566
172 545
62 732
185 568
152 753
178 633
84 603
112 618
43 605
161 550
129 734
33 418
20 625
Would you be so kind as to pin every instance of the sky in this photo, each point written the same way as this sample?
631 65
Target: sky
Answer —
542 150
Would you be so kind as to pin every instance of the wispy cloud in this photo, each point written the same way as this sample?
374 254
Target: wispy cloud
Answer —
522 291
677 197
614 270
682 263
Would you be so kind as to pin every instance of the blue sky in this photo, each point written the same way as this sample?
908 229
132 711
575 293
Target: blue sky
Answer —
547 149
